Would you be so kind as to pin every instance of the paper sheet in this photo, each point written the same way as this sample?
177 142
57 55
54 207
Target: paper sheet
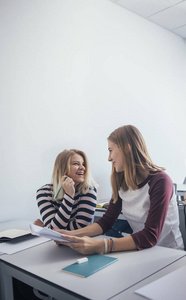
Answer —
48 233
171 286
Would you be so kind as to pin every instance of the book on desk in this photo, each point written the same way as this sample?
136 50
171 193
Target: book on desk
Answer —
94 264
13 234
102 205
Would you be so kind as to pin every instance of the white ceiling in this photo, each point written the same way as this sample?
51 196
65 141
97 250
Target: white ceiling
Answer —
170 14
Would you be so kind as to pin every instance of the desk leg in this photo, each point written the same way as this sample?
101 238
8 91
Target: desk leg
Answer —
182 217
6 285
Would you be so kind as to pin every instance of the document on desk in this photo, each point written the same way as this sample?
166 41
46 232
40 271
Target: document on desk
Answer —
171 286
48 233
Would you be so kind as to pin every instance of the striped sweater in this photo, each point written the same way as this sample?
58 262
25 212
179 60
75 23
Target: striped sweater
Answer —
67 213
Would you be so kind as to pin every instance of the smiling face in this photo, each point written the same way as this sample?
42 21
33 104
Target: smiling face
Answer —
77 169
116 156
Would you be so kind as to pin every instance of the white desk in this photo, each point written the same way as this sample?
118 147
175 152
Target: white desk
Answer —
41 266
130 293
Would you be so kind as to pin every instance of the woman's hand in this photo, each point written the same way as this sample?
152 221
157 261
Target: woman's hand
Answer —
68 185
84 245
38 222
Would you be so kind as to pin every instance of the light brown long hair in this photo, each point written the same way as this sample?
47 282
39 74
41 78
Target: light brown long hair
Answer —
137 159
62 167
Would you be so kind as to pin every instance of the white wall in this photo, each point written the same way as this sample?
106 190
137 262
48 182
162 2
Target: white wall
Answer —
70 73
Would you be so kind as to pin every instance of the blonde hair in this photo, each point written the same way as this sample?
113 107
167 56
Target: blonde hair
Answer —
62 167
135 160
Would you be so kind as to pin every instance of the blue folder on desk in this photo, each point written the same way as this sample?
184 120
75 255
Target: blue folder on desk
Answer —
95 263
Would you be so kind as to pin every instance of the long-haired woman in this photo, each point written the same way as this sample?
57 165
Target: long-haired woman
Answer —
142 191
69 201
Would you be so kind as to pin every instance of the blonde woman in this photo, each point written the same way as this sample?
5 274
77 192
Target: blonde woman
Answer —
69 202
142 191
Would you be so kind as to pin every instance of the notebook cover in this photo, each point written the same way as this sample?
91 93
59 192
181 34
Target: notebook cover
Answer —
13 234
94 264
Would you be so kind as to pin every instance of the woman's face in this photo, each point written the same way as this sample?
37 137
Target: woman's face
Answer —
77 169
116 156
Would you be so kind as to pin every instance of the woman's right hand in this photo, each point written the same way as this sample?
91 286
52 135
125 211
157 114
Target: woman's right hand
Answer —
84 245
68 185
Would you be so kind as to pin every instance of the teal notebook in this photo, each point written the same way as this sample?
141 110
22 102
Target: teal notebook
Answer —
94 264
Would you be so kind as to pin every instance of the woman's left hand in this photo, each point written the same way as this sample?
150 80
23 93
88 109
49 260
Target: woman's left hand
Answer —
84 245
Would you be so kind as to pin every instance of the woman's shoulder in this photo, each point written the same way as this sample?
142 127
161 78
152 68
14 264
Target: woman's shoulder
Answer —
91 191
160 176
46 188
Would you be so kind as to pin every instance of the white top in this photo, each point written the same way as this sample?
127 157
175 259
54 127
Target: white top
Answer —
152 212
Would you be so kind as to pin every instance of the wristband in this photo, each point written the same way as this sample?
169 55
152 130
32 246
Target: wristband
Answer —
112 245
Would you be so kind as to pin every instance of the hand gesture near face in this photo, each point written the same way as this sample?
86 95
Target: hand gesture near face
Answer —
68 185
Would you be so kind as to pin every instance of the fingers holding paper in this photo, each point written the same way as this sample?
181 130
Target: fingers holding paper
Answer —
84 245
